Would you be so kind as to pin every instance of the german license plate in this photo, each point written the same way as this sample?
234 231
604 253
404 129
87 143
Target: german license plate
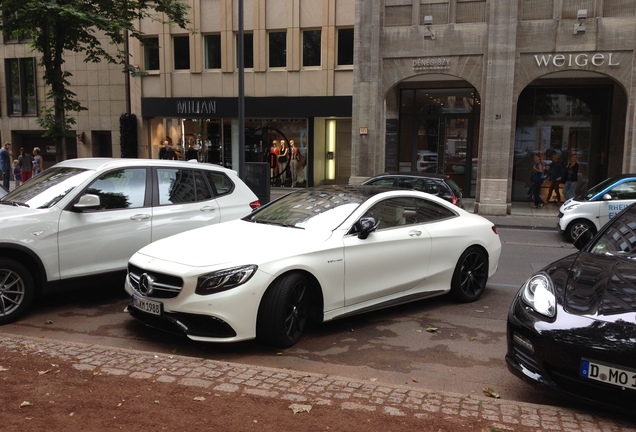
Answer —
149 306
609 374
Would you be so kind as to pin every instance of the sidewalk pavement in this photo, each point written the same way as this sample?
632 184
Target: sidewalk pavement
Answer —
305 388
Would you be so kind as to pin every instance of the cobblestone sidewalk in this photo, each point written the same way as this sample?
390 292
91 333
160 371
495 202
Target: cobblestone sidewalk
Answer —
309 388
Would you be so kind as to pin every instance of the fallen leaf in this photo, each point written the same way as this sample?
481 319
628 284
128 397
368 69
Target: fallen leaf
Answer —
373 379
414 380
296 408
44 371
25 404
199 399
48 322
490 392
3 369
479 311
432 329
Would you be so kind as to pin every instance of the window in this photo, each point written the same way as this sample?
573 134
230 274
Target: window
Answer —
213 51
181 46
619 237
14 36
21 86
278 49
345 47
120 189
151 53
178 186
311 48
221 184
248 50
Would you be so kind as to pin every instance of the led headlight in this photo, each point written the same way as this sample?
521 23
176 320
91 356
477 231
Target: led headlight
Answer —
571 206
224 279
538 293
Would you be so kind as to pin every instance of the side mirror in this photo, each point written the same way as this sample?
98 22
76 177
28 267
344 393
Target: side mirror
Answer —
87 201
606 197
366 226
583 239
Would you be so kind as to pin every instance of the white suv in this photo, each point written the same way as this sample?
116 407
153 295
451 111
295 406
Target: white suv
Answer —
85 217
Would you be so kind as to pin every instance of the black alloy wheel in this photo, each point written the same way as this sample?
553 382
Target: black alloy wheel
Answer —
470 276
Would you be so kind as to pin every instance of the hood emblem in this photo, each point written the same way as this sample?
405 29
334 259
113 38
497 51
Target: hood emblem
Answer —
146 284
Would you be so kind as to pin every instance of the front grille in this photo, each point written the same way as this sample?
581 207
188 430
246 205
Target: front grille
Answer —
164 286
186 324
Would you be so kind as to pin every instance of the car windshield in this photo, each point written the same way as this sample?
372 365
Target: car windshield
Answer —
47 188
326 209
599 188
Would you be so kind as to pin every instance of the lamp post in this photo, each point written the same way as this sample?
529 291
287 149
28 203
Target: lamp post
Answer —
241 92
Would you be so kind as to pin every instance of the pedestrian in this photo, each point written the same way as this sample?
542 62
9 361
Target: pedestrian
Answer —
571 178
25 161
16 173
556 177
38 164
5 164
537 178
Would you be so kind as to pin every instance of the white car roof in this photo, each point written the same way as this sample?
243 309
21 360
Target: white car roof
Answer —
108 163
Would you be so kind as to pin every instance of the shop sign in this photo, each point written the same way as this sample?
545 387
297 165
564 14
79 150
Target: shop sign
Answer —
572 60
431 63
194 106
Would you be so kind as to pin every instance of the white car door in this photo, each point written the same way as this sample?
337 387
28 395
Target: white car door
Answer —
184 202
623 195
99 240
394 258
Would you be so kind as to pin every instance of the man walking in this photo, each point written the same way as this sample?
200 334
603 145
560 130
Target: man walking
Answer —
25 161
5 164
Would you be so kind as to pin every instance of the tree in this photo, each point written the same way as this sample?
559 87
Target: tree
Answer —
58 26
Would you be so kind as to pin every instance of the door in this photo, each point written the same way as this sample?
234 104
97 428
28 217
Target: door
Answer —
457 161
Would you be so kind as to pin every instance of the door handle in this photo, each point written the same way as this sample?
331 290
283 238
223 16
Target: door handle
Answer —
415 233
208 209
139 217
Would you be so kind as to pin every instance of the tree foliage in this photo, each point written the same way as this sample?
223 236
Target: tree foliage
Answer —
56 27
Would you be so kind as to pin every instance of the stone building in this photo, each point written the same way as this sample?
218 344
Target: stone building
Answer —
473 88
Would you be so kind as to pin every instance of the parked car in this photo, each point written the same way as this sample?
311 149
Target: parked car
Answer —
590 211
314 254
437 184
571 327
426 161
85 217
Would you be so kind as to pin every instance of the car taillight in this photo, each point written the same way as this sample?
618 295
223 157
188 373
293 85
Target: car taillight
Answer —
454 199
255 204
494 229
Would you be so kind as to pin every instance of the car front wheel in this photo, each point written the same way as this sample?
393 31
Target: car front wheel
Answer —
284 311
576 228
16 290
470 276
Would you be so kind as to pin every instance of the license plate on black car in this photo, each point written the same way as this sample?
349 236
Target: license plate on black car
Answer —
609 374
145 305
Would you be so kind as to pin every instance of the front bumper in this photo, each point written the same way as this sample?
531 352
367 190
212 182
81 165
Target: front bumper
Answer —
549 355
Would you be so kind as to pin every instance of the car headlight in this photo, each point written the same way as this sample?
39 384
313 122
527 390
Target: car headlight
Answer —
226 279
571 207
538 293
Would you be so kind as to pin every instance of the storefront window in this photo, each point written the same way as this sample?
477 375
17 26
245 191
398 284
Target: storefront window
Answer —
556 124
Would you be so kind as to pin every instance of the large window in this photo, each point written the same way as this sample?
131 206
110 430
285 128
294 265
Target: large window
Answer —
181 45
345 47
278 49
21 87
213 51
311 48
151 53
248 50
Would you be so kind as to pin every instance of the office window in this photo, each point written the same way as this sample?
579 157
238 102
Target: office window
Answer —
345 47
311 47
151 53
248 50
181 46
21 86
213 51
278 49
13 36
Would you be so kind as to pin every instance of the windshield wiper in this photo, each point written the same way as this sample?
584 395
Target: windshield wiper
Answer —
15 203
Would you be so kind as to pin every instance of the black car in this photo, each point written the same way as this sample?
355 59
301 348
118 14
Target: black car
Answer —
436 184
572 326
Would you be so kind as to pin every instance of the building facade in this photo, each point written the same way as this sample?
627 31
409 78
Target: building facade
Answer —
474 88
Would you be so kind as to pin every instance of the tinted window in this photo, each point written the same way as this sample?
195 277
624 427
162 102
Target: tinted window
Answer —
179 186
428 211
623 191
620 237
382 182
220 183
120 189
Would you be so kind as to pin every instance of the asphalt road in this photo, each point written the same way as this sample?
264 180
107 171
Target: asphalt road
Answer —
464 355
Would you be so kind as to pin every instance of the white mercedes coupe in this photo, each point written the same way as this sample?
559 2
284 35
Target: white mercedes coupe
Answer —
314 254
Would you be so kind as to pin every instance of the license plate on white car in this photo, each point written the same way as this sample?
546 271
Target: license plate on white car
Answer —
149 306
609 374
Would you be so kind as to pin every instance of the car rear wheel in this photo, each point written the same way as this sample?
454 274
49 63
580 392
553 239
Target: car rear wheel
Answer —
470 276
576 228
283 313
16 290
